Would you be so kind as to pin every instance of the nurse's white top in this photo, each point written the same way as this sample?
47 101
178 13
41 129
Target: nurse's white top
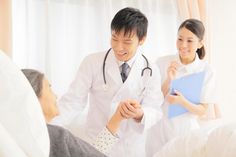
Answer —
167 129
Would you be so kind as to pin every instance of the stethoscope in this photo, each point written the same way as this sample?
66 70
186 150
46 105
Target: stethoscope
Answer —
105 87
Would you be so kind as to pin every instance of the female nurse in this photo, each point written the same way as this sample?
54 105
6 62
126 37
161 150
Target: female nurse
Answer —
189 60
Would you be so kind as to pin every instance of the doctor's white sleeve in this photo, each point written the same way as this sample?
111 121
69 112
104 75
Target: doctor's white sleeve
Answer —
74 102
152 101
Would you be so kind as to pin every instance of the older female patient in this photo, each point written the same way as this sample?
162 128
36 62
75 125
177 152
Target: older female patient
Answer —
62 142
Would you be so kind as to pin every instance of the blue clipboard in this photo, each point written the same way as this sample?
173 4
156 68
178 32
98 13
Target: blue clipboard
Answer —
190 86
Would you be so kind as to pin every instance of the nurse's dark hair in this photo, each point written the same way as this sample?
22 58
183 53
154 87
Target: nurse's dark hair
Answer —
197 28
35 78
130 19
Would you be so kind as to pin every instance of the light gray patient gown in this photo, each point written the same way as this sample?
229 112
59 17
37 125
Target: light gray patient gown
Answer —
65 144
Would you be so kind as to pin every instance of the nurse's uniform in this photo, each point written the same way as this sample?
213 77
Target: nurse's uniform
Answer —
167 129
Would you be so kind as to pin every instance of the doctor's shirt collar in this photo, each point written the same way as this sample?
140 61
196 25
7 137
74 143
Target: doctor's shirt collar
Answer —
131 61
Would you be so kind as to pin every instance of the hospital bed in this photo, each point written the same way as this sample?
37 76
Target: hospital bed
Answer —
23 131
219 141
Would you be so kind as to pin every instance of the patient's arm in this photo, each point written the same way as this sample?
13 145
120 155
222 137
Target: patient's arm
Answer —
108 137
114 123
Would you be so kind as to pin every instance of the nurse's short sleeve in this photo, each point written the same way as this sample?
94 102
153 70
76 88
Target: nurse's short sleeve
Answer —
209 93
163 63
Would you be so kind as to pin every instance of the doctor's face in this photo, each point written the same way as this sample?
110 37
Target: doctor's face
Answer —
187 44
47 100
125 45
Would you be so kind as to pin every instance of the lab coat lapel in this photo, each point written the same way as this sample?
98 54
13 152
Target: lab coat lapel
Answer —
135 74
130 86
112 68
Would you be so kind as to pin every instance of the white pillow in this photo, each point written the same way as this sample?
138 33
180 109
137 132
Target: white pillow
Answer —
222 142
9 147
20 111
191 145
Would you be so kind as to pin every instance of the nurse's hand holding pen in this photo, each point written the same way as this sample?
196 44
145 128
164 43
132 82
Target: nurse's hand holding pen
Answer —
131 109
171 74
172 70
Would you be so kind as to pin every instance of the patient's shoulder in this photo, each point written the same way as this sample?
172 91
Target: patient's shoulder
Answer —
64 143
54 130
57 133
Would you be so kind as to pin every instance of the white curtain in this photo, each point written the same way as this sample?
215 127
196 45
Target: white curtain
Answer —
54 36
222 23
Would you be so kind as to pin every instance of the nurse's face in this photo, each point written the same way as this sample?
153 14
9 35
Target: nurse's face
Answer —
187 44
48 101
125 46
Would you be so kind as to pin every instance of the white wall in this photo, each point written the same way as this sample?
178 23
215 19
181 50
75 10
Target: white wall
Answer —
222 16
54 36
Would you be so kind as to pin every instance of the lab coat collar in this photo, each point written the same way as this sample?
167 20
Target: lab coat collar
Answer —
135 71
130 85
112 67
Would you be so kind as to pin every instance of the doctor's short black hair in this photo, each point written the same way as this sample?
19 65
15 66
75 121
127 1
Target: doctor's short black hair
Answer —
130 19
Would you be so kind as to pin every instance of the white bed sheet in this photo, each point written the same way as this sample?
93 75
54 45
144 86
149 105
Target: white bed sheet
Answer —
216 141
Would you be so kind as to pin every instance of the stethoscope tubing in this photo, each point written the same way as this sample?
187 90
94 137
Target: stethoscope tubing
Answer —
104 65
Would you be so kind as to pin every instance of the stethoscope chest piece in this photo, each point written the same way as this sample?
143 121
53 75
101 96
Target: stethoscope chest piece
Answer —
105 87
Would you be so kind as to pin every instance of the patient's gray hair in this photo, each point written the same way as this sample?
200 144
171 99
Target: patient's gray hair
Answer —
35 78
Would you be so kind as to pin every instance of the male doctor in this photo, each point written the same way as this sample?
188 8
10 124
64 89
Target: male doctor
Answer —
108 84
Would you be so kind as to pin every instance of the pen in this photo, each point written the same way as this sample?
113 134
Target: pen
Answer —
141 95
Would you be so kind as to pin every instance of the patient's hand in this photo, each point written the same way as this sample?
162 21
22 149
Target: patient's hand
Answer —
118 114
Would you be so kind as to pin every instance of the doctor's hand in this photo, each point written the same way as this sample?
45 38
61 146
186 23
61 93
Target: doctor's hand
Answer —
172 70
131 109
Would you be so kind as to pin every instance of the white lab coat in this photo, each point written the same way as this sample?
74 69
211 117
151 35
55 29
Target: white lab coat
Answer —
89 83
167 129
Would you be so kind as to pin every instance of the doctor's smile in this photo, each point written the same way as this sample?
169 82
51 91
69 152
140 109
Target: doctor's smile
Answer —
121 54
